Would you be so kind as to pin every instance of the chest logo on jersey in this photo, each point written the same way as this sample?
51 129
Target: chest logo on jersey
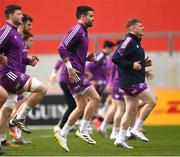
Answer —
137 46
15 37
22 77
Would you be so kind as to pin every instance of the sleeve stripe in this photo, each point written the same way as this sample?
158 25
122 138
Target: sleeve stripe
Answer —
99 57
5 33
125 43
71 35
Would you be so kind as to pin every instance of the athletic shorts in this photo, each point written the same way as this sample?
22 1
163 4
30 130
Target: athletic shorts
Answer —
136 89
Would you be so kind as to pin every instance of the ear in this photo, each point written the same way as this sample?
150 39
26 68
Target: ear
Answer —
10 16
131 28
83 16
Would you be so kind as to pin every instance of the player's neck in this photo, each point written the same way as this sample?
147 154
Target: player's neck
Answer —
80 21
12 23
135 34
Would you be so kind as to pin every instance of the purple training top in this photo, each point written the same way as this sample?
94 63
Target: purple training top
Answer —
75 47
63 71
11 43
99 68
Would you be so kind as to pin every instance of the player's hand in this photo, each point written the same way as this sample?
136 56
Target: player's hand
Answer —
3 59
36 57
52 78
34 61
148 62
149 75
73 75
91 57
137 65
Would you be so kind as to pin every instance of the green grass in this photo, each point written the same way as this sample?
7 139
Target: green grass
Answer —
164 141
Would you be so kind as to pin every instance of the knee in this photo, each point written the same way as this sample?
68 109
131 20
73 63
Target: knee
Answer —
71 108
43 90
96 100
153 101
80 110
123 109
130 112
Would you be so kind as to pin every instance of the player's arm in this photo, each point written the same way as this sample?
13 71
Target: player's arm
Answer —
148 62
52 78
91 57
30 61
3 59
149 75
73 77
120 58
71 40
65 49
4 39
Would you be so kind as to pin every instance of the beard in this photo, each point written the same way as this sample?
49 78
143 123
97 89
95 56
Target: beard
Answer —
25 31
89 24
17 23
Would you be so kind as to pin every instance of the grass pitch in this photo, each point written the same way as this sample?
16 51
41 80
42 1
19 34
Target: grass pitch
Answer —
164 141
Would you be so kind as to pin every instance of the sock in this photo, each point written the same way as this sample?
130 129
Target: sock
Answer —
115 131
18 132
65 130
129 129
84 126
59 124
15 115
103 126
138 124
122 134
24 111
3 137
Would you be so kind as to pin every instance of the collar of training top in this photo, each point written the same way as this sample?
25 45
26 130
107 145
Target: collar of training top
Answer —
134 37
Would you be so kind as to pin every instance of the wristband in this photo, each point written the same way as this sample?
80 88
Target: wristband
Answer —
68 65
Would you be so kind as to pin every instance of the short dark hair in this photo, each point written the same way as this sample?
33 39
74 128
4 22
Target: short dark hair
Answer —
27 18
108 44
132 22
27 36
82 10
11 9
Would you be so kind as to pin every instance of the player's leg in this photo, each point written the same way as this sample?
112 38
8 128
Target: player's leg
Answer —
61 136
107 118
5 114
131 104
71 106
14 131
121 106
92 104
148 97
38 91
3 96
70 102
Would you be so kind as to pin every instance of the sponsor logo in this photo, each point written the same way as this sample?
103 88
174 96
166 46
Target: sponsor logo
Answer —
22 77
174 107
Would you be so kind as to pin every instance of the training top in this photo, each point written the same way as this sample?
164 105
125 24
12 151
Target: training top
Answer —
128 52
